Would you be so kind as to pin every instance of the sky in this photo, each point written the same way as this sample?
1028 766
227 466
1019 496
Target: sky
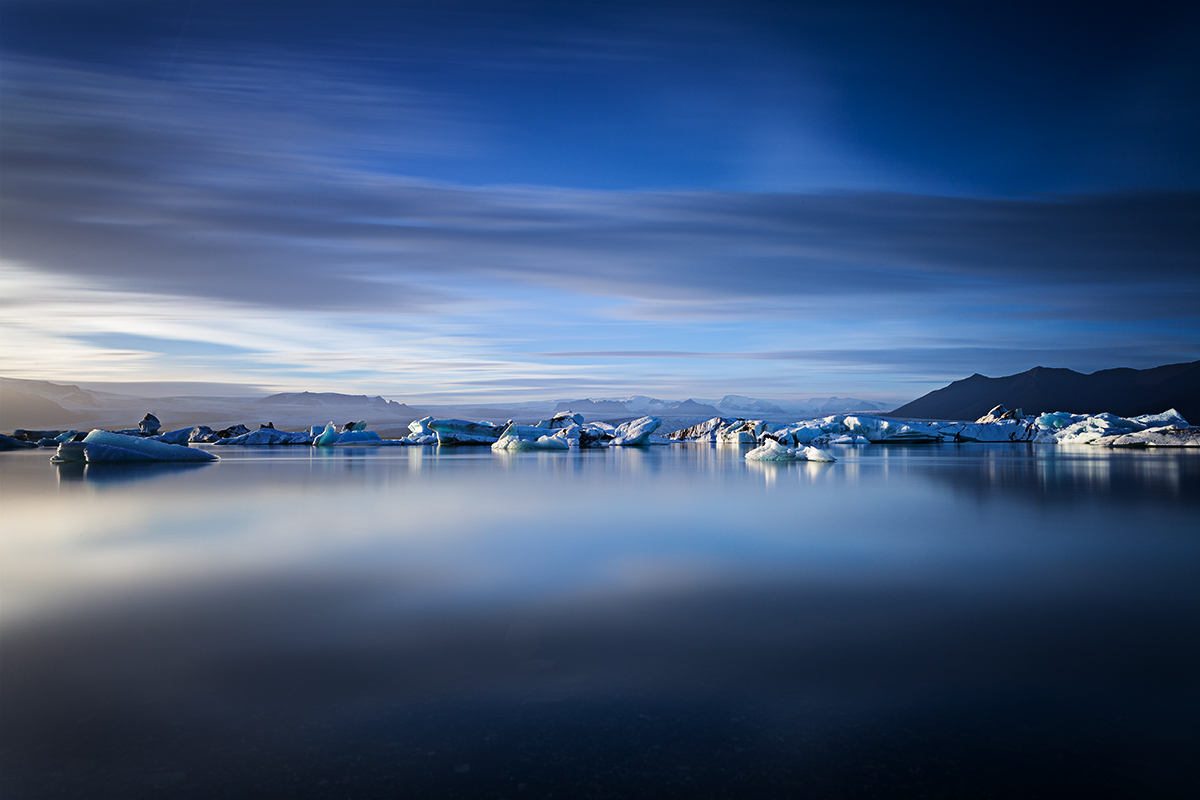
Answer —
458 201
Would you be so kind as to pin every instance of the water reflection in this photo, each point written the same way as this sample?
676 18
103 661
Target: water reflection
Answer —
367 622
75 471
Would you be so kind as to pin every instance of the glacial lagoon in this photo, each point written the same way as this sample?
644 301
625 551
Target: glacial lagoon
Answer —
970 620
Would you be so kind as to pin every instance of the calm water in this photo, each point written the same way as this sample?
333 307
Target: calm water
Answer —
946 621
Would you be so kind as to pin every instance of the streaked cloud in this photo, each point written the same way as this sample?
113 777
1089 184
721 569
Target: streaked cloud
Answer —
458 215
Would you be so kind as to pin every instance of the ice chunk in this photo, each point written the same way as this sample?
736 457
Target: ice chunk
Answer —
771 450
562 419
1154 437
636 432
13 443
327 437
703 432
741 432
269 436
513 443
181 436
1168 419
462 432
1003 430
359 437
884 431
998 413
1054 419
99 446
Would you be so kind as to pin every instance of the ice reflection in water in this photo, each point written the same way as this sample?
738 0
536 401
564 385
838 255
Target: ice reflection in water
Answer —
960 620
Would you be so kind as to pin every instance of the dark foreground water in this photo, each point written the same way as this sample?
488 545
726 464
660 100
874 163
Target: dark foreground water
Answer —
944 621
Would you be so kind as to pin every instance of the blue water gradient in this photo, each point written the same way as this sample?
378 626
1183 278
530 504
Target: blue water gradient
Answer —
948 621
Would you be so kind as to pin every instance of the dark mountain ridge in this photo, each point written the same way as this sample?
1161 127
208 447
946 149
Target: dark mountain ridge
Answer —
1123 391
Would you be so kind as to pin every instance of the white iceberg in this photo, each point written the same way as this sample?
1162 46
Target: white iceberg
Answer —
513 443
636 433
103 446
771 450
703 432
462 432
886 431
269 436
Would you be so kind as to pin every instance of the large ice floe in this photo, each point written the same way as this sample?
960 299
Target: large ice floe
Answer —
104 446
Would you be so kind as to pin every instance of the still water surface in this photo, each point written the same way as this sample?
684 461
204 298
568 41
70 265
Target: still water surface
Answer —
946 621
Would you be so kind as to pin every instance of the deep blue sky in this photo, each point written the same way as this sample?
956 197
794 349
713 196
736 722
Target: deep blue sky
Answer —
519 200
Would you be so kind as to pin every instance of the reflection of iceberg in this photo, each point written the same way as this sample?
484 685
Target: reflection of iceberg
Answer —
121 471
771 450
103 446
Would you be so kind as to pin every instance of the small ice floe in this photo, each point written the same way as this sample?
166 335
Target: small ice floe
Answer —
103 446
636 432
514 443
353 434
268 436
771 450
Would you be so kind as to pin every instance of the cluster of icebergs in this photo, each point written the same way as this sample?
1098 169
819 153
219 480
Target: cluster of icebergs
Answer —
999 425
797 441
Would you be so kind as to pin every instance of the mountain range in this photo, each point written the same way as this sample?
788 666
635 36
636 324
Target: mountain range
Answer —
1124 392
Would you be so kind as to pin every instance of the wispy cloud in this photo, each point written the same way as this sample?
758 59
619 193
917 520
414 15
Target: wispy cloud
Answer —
252 208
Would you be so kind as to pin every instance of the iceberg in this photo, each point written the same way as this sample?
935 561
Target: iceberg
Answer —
462 432
13 443
103 446
885 431
741 432
636 433
331 437
268 436
327 437
514 443
363 437
181 436
771 450
1154 437
703 432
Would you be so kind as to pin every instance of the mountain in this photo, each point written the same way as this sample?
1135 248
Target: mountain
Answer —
21 410
592 407
743 406
689 408
842 405
1125 392
334 399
